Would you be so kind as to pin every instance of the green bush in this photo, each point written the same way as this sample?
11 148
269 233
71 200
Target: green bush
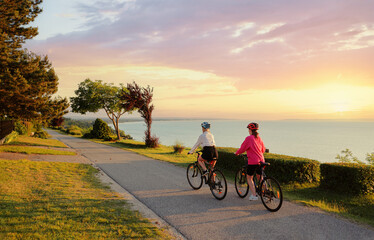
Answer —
11 137
101 130
75 132
348 178
41 134
284 168
20 128
287 169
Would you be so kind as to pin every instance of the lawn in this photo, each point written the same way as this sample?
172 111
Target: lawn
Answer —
357 208
33 150
32 141
31 145
48 200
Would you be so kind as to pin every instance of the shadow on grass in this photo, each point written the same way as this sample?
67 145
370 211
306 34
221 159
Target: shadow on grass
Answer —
69 218
128 145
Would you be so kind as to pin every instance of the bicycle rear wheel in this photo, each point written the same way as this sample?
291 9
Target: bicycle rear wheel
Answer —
218 184
194 177
241 185
271 194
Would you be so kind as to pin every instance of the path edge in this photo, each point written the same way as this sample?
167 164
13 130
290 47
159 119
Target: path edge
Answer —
135 204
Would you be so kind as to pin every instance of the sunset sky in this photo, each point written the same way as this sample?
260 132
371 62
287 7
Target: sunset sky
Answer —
237 59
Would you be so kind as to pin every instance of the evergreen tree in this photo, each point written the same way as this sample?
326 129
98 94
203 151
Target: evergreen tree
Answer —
27 81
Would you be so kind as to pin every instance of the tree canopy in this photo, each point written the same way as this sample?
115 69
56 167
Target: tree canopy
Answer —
27 81
95 95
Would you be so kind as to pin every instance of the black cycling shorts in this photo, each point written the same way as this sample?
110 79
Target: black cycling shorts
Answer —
210 153
251 169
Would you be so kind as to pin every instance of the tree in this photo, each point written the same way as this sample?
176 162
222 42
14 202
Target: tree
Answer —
140 98
27 81
347 157
370 158
95 95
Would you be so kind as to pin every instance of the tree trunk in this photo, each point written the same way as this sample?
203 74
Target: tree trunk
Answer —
117 129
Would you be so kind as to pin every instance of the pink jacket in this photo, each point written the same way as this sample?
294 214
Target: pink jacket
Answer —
255 149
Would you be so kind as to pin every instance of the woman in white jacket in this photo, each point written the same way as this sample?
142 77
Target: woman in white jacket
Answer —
206 141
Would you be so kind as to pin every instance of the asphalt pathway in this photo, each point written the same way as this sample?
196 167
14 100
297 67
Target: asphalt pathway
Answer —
164 189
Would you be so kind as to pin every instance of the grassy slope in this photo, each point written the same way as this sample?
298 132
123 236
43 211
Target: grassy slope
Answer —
28 145
44 200
33 150
32 141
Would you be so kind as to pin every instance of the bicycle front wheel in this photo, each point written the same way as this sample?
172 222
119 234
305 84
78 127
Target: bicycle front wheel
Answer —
218 184
241 185
271 194
194 177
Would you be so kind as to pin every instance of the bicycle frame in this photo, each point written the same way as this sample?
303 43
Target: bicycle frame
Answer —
209 166
215 178
268 188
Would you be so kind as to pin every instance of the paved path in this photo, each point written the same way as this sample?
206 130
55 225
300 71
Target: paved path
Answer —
163 188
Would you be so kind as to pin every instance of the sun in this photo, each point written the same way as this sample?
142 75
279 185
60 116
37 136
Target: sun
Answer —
340 107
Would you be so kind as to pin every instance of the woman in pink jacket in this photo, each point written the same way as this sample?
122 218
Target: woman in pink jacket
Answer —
255 149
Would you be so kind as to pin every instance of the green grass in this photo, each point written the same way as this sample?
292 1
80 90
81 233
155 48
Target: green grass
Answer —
164 153
33 150
49 200
32 141
357 208
29 145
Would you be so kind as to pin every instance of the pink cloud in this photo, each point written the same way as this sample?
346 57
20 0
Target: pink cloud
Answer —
305 49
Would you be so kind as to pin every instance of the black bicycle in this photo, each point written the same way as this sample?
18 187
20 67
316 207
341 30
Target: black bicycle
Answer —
215 178
268 188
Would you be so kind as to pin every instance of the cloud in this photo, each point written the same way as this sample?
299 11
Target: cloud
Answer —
259 44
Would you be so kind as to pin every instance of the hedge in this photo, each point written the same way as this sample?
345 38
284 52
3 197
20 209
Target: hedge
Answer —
288 169
284 168
348 178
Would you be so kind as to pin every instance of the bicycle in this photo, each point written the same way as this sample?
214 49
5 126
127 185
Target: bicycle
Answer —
268 189
215 178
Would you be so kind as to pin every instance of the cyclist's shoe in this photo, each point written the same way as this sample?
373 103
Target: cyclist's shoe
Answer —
205 173
253 198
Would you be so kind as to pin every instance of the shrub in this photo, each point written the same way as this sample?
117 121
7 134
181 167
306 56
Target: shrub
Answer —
41 134
284 168
178 147
348 178
74 130
152 142
101 130
124 135
11 137
20 128
121 133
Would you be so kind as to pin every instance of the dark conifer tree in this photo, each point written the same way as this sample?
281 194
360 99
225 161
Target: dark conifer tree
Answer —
27 81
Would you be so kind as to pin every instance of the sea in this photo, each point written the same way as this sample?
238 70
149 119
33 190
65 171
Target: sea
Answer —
319 140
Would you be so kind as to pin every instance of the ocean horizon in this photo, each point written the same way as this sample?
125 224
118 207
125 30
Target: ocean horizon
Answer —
320 140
